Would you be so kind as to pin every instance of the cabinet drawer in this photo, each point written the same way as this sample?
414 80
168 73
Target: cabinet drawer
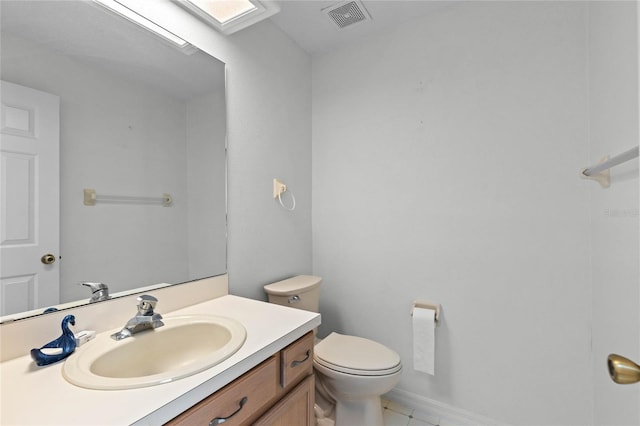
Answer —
237 401
296 360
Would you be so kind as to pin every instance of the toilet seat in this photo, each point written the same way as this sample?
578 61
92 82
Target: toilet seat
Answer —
356 355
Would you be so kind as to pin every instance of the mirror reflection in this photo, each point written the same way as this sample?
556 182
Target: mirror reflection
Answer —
137 117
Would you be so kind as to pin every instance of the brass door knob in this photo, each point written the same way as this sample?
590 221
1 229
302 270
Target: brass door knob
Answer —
623 370
48 259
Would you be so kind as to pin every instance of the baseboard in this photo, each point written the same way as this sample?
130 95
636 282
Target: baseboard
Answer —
448 414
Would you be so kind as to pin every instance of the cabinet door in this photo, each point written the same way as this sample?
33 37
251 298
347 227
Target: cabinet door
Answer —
236 403
294 409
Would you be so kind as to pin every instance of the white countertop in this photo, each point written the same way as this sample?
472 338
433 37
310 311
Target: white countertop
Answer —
32 395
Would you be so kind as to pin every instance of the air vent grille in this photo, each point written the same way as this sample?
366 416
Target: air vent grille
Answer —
347 13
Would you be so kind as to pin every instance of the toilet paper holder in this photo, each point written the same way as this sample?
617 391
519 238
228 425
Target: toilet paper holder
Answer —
427 305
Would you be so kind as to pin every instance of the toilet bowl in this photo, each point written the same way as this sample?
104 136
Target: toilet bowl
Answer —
355 371
352 371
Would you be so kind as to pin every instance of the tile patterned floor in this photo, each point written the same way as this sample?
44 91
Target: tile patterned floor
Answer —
399 415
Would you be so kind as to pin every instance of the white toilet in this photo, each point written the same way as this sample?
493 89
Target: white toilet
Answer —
353 371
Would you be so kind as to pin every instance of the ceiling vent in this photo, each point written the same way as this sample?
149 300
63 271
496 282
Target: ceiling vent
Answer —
347 13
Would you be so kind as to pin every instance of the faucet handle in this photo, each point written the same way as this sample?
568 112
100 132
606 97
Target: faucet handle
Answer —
95 286
99 291
146 304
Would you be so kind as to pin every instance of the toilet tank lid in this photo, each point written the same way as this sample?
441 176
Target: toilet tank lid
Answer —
293 285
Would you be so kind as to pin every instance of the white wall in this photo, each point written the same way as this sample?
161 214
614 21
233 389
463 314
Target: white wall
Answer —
613 87
269 107
445 163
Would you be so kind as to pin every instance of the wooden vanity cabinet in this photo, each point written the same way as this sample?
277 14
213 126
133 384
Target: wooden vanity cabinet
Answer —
278 392
295 409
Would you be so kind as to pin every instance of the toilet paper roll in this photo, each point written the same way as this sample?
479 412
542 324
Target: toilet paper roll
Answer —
424 342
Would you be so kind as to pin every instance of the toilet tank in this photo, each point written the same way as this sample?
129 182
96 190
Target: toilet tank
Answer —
301 292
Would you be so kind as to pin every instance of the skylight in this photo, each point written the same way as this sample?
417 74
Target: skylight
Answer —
224 11
229 16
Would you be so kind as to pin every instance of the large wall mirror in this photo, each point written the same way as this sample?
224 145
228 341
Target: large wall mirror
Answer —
138 118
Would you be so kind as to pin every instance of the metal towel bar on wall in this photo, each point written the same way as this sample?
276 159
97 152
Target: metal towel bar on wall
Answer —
600 172
91 198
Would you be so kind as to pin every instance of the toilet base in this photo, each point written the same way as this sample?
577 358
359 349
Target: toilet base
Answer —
321 419
361 412
357 398
324 409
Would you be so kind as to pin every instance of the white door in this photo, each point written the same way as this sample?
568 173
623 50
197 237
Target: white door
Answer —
29 199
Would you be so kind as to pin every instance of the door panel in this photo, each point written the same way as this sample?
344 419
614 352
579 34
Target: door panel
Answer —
29 198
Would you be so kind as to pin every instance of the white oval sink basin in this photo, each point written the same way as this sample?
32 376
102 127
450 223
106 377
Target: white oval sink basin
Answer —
185 345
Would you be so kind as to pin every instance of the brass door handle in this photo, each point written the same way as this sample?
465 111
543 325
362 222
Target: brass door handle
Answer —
622 370
48 259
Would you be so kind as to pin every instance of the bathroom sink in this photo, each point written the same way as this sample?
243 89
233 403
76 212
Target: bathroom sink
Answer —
185 345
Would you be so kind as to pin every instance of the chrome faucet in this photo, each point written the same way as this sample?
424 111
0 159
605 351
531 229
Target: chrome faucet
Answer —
99 291
145 319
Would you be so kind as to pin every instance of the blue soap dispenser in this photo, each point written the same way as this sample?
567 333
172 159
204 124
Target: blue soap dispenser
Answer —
65 343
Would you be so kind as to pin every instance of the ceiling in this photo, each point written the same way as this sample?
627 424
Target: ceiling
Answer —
88 34
307 25
83 31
